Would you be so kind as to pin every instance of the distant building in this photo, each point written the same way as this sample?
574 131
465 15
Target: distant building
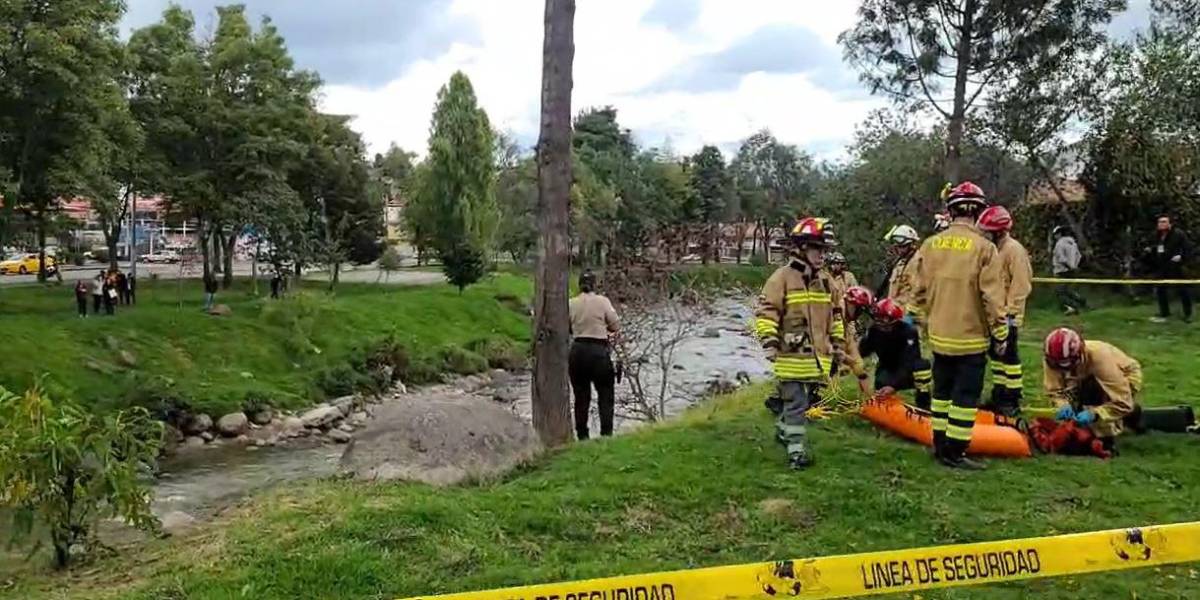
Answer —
1043 193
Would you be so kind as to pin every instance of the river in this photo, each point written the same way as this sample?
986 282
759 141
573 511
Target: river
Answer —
195 485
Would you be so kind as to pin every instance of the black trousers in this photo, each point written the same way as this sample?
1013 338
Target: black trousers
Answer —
1007 377
957 386
1164 303
81 305
96 302
1067 296
590 365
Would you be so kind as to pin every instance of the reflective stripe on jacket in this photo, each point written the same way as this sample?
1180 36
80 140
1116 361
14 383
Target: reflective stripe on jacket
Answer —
797 317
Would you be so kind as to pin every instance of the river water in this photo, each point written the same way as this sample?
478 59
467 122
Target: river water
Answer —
200 483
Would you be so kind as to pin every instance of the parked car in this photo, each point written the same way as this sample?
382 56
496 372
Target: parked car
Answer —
24 264
166 256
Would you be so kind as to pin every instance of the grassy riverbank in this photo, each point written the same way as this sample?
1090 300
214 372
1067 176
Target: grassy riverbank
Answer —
285 353
710 489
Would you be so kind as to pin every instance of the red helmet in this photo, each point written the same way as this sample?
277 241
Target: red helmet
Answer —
966 193
860 296
995 219
887 310
812 231
1064 348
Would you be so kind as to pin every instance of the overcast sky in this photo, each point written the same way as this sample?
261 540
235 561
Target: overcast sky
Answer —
680 72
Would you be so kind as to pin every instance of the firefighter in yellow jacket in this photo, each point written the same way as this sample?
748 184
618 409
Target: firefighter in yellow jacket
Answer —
1092 383
802 330
903 244
958 287
1016 275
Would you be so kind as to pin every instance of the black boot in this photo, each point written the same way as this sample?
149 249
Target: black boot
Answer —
954 455
939 444
800 459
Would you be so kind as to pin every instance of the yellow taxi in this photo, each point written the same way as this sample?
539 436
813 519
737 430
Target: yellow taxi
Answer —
25 264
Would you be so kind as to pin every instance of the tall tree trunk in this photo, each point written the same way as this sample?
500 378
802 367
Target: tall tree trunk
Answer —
217 239
41 240
230 244
740 240
203 235
111 236
336 271
958 116
551 406
1064 206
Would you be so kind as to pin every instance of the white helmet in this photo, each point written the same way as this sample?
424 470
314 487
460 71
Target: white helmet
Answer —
902 234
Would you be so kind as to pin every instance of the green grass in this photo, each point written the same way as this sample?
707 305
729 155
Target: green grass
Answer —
688 494
271 351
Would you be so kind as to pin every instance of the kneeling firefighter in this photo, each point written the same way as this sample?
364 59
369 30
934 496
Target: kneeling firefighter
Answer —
1094 384
802 331
898 346
593 322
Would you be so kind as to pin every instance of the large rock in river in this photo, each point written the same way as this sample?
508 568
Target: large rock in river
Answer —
440 441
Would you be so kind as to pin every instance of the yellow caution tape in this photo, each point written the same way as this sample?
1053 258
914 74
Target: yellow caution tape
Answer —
899 571
1118 281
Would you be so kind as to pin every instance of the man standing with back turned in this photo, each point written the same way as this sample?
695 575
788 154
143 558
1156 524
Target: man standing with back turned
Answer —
958 286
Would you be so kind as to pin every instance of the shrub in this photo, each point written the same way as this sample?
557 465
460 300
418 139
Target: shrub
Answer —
500 353
462 361
342 380
298 315
65 469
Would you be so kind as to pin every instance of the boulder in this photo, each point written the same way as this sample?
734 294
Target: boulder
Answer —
176 522
345 405
321 416
359 419
263 416
501 378
348 428
193 441
400 389
197 424
233 424
711 332
339 436
207 436
442 440
292 427
220 310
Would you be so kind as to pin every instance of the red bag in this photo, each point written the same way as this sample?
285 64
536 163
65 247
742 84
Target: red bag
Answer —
1052 437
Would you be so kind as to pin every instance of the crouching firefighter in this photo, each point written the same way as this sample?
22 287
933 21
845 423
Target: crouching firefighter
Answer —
898 346
1093 384
802 330
958 286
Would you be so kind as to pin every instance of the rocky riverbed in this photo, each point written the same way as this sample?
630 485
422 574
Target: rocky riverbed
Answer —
219 461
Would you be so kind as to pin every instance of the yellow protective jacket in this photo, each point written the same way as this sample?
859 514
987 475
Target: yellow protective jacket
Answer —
1119 377
902 280
798 319
854 361
958 290
1016 274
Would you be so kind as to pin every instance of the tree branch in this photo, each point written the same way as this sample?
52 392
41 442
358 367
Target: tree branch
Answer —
920 76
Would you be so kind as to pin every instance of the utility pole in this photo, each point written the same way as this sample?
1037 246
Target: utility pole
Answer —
551 334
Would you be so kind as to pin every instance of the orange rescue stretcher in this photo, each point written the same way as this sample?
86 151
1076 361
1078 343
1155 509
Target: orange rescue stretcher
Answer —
990 437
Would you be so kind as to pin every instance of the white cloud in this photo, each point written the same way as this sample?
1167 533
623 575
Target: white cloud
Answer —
617 56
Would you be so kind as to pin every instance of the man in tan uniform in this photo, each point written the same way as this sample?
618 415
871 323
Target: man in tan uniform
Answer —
593 321
802 329
1092 383
958 287
1016 275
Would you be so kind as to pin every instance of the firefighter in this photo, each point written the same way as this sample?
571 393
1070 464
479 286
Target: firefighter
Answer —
904 242
842 276
957 288
1016 275
1092 383
593 322
898 346
802 331
858 301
